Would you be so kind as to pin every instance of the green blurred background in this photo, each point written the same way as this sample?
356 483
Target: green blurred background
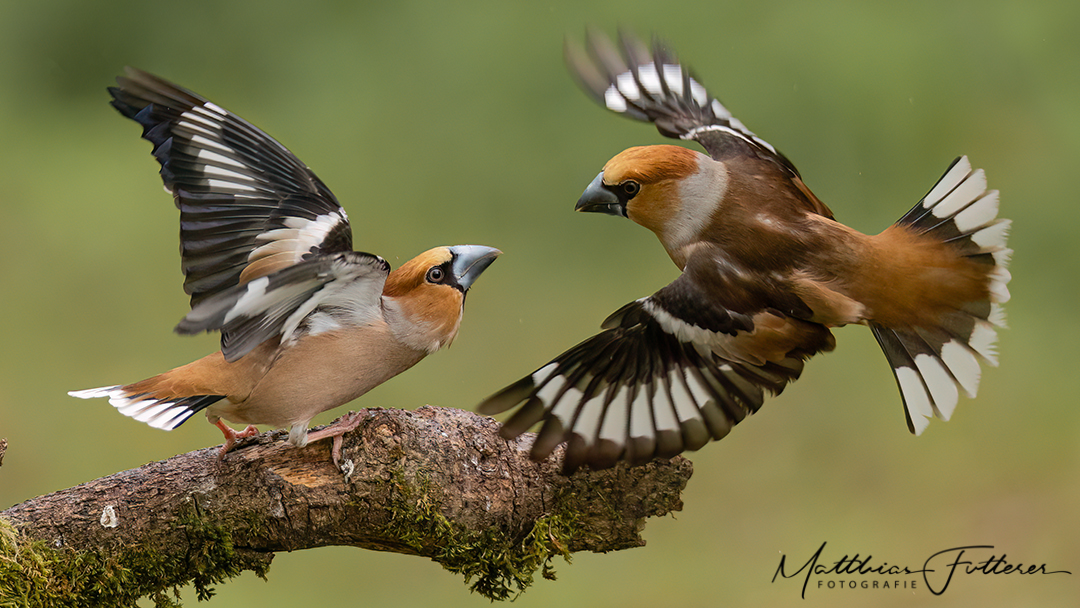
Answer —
456 122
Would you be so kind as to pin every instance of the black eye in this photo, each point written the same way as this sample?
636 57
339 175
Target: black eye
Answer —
630 188
435 275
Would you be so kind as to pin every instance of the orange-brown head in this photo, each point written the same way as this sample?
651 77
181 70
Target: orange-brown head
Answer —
670 190
426 295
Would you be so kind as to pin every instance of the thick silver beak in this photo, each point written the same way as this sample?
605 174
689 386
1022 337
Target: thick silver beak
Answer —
470 261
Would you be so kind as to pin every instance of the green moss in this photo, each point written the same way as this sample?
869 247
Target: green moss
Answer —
496 564
35 575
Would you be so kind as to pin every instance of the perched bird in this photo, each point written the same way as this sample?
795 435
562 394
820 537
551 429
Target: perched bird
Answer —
307 324
766 272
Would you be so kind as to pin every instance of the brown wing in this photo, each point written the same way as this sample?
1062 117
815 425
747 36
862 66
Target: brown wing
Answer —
669 373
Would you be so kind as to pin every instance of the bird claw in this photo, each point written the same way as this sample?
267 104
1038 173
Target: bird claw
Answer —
231 435
343 425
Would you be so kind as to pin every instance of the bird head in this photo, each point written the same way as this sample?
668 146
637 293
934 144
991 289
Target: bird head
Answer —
429 292
670 190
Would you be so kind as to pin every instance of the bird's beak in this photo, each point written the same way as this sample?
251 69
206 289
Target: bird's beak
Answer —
470 261
599 199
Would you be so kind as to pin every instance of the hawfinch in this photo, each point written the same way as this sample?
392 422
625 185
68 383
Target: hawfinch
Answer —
766 272
307 324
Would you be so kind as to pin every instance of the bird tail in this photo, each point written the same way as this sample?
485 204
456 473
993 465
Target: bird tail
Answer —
932 363
158 411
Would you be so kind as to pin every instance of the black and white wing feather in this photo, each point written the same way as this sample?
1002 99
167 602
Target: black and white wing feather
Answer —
651 85
651 385
318 294
248 206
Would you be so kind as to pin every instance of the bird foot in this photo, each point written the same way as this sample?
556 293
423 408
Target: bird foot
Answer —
232 435
342 425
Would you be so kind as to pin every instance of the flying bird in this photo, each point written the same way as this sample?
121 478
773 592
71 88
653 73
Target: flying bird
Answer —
307 324
766 273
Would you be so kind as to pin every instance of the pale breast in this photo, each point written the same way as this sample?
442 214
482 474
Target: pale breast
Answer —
322 372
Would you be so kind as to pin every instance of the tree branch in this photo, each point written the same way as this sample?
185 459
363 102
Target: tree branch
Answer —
435 482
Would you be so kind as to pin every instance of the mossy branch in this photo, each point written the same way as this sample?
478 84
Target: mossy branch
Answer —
435 482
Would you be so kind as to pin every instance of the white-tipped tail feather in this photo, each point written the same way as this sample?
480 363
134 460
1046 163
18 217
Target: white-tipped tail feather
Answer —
164 414
931 364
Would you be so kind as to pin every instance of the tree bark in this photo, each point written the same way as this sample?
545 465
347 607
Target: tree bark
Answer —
435 482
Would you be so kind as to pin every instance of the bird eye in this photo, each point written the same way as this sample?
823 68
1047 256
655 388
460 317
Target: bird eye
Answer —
630 188
435 275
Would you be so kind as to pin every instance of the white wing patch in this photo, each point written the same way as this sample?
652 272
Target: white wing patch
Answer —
673 78
226 174
299 236
664 91
698 92
649 78
345 288
204 132
685 332
550 391
354 291
194 121
614 100
218 184
256 300
210 156
641 422
615 418
628 86
737 129
213 107
683 399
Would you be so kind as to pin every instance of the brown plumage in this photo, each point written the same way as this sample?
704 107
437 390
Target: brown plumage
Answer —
287 387
307 323
766 272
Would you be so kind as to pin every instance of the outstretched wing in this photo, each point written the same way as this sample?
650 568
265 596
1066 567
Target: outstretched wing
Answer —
302 297
651 85
248 206
664 377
